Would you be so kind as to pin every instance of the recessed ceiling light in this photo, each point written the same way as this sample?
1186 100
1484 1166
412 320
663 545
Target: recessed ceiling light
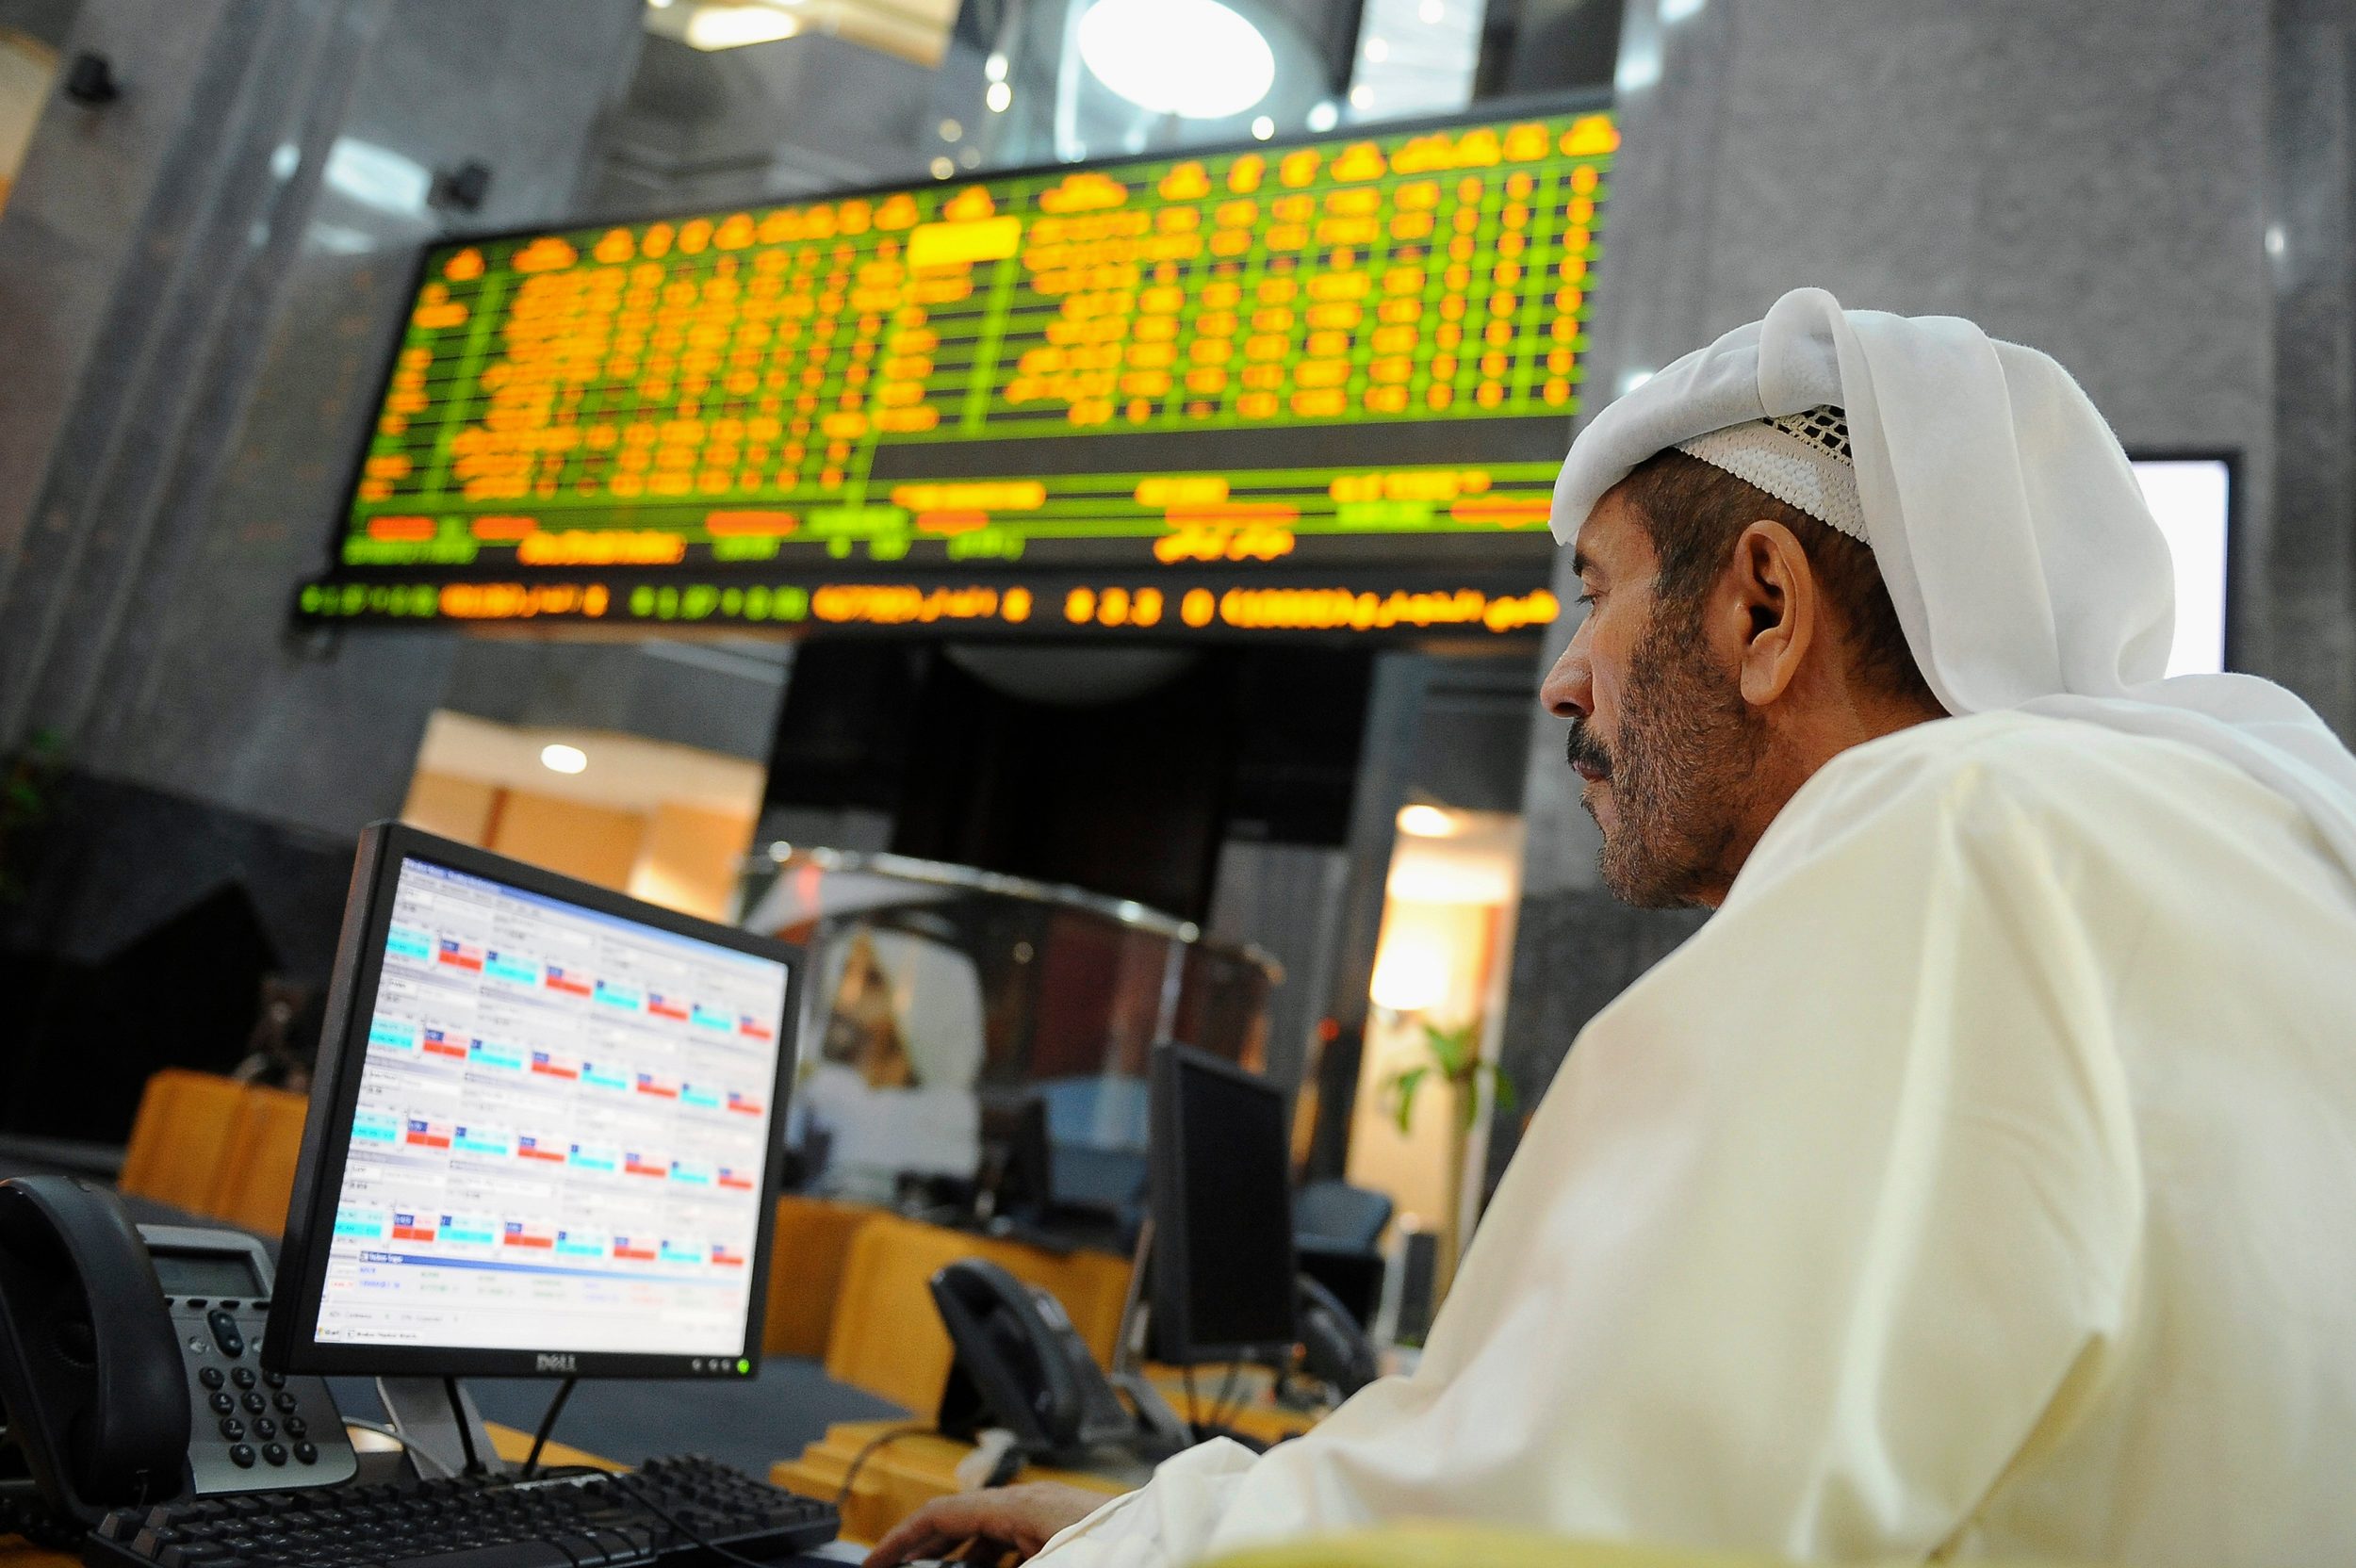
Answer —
1378 50
1262 128
942 169
734 26
1323 116
1426 821
1194 59
998 97
951 130
559 758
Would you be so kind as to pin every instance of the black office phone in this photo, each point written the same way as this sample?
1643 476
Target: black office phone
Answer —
129 1364
1021 1364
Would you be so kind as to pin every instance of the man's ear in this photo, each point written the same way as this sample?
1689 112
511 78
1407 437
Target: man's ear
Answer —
1774 585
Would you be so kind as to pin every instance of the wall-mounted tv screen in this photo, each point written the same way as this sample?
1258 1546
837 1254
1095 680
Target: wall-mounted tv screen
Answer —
1316 386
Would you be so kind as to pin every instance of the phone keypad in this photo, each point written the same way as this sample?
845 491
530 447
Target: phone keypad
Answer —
251 1431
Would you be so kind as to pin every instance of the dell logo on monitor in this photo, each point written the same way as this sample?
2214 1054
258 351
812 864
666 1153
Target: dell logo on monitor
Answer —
547 1361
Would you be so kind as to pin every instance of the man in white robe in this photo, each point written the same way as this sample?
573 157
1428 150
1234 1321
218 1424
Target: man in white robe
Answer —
1981 1179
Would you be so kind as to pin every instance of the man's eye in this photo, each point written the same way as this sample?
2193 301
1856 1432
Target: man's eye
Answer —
1587 597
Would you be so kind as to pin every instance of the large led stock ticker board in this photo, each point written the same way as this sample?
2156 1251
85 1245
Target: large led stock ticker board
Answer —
1321 387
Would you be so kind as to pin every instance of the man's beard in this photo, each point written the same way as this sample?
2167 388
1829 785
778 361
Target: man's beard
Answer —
1678 769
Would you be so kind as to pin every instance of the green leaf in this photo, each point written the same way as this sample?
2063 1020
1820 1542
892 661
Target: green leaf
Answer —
1404 1089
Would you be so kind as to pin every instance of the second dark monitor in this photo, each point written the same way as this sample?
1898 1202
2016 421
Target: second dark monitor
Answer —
1223 1263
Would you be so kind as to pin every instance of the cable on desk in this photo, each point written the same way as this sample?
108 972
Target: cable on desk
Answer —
842 1493
1221 1415
465 1430
414 1456
548 1425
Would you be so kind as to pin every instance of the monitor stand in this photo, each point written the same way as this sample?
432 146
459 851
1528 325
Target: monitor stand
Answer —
1165 1431
426 1412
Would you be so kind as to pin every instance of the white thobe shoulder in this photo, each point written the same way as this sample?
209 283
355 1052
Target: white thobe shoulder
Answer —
1976 1182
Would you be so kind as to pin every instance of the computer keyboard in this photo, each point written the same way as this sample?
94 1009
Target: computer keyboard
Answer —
668 1509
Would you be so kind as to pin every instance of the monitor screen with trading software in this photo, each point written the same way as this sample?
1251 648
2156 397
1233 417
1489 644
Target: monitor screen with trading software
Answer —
1222 1261
543 1131
1281 387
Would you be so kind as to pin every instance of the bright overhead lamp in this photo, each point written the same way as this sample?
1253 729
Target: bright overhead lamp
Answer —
1194 59
734 26
559 758
1426 821
376 176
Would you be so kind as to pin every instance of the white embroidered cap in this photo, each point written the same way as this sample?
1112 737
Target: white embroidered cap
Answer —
1801 459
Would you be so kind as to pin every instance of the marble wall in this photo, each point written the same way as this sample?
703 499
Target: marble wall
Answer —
209 272
2095 179
198 282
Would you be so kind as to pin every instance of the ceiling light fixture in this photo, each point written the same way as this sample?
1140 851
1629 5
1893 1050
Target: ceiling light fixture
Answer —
1262 128
559 758
1194 59
1426 821
734 26
377 176
998 97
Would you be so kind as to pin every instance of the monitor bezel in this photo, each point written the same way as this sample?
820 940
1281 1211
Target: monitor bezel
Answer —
290 1341
1171 1327
1488 111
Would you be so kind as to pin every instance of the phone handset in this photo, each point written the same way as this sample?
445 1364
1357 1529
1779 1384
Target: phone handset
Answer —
90 1366
1021 1364
129 1364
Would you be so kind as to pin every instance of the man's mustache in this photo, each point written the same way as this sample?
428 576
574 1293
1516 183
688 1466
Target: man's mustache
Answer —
1582 747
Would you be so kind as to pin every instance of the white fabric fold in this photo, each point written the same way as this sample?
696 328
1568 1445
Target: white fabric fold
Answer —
2025 567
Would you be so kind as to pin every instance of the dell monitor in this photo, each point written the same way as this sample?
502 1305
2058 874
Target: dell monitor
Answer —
543 1133
1222 1240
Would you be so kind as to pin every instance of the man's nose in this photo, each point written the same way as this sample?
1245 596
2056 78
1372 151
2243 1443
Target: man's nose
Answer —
1567 693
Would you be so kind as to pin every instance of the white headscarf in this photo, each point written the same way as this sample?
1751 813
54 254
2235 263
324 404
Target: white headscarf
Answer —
2007 523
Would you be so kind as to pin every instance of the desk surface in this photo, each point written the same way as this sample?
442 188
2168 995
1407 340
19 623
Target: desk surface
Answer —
909 1466
17 1552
